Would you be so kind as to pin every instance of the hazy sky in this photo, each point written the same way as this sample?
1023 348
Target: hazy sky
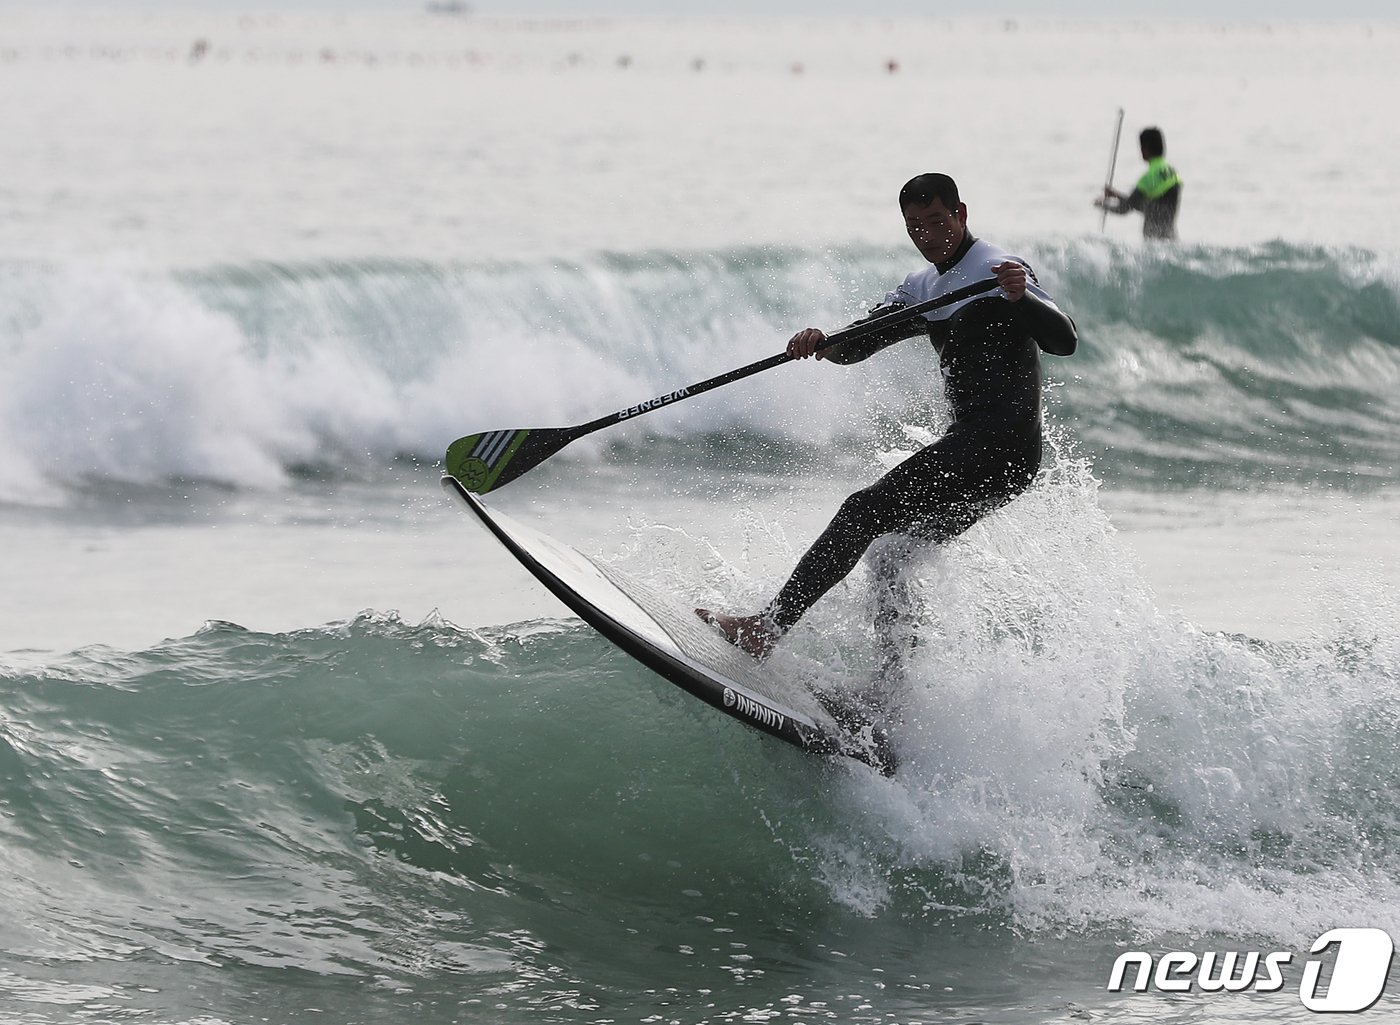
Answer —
1253 10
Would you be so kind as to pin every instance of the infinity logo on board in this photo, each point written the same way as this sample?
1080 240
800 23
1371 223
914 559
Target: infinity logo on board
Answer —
759 713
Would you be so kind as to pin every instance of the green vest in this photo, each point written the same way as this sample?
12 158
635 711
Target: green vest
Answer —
1159 178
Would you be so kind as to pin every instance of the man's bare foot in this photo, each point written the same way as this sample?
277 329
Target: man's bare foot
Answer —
755 634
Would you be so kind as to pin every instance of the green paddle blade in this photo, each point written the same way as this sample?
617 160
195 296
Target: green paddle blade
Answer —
484 462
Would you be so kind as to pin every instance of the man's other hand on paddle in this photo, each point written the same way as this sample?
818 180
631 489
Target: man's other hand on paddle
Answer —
806 342
1012 278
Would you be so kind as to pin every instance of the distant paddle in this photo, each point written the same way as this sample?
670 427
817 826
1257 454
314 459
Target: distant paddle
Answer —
1112 166
492 459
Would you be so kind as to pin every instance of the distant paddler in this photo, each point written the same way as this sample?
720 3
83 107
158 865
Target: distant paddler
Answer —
1157 194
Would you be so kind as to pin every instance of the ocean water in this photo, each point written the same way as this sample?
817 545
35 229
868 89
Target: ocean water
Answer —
283 736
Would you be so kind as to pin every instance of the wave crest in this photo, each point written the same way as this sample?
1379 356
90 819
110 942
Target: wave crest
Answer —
1198 366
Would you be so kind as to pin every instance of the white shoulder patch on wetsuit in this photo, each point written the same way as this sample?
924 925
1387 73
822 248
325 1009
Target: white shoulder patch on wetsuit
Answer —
976 265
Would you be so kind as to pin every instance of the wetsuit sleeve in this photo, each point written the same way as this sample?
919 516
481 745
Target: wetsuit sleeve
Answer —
863 348
1136 200
1052 330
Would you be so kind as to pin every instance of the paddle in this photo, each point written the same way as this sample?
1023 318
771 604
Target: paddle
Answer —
1112 166
486 461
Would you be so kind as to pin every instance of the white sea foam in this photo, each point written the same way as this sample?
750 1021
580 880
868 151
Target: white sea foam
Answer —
1077 756
1123 766
362 237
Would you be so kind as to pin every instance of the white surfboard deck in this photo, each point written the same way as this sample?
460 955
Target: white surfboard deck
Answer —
666 636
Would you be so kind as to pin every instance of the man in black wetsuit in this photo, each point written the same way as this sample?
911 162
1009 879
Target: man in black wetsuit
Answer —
1157 194
988 352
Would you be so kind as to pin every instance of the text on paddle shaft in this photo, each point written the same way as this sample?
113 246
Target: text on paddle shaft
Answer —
650 404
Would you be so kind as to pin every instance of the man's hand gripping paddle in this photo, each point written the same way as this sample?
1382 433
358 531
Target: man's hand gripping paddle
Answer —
484 462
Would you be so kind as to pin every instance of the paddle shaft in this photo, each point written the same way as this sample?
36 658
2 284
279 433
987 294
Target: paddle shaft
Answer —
492 459
1112 167
849 334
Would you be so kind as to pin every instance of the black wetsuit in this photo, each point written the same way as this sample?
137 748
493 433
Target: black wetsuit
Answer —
1158 215
989 354
1157 195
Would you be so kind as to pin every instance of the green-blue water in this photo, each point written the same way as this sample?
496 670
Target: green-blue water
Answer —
250 292
517 823
377 819
1199 367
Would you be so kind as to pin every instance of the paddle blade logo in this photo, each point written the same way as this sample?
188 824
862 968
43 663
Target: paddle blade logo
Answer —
478 460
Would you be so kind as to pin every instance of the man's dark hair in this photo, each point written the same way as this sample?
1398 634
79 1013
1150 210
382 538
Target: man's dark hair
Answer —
923 189
1152 142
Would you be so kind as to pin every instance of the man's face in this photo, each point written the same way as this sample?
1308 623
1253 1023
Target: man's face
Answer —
935 230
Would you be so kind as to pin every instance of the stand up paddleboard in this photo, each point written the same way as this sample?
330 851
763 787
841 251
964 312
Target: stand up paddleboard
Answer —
668 638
